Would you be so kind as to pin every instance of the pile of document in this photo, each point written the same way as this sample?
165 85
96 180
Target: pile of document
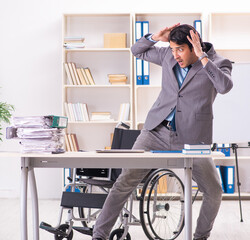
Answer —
74 42
196 149
39 134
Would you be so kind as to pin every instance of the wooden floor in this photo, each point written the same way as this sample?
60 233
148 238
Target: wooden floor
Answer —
227 225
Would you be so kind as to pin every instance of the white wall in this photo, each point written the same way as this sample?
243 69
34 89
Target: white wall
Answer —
30 64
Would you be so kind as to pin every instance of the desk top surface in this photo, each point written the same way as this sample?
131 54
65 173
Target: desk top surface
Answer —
93 154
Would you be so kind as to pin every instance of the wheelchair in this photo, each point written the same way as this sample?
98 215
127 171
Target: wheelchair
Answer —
160 196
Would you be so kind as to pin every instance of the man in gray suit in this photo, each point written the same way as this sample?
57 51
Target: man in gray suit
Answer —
192 75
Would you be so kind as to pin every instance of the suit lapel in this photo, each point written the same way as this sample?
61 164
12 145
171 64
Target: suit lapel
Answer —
193 70
172 64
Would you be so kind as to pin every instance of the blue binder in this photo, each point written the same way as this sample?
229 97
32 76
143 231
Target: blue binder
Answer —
138 30
224 148
145 27
220 176
198 26
145 75
228 178
139 69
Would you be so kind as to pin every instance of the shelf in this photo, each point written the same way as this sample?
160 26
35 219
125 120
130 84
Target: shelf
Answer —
98 86
97 50
99 122
147 86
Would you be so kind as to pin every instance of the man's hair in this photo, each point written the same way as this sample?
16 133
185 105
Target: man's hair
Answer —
179 36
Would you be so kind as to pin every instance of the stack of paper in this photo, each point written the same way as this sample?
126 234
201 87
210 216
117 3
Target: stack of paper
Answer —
74 42
117 79
196 149
40 134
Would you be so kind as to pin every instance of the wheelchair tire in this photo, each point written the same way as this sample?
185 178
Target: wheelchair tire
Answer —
162 205
64 228
117 234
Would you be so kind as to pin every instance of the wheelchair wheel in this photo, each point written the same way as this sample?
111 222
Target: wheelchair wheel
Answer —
162 205
64 228
117 234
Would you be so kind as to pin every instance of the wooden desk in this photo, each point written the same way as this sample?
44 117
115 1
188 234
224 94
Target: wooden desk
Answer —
99 160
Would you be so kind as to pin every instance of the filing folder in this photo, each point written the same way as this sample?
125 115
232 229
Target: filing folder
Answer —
228 178
220 176
145 76
198 26
145 27
138 30
139 71
58 121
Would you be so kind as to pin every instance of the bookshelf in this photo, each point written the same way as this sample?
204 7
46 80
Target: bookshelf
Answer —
102 96
229 32
145 95
91 135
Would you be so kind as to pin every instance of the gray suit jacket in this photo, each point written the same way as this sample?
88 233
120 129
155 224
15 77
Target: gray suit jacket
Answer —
194 100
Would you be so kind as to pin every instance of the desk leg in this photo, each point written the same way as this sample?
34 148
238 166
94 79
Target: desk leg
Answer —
34 198
188 203
24 183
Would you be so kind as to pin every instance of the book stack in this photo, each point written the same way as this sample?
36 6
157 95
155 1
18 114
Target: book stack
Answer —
73 42
77 112
78 76
39 134
71 142
124 112
194 149
117 79
101 116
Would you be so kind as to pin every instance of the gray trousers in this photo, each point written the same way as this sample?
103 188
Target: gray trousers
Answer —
204 174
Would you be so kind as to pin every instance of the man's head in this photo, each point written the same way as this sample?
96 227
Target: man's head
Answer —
182 49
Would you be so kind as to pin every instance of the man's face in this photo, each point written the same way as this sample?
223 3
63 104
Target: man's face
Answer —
182 54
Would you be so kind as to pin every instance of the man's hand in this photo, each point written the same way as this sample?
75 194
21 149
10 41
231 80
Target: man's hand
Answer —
164 33
195 41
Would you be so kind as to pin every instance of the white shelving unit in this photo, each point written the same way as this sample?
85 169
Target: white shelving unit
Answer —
230 34
101 97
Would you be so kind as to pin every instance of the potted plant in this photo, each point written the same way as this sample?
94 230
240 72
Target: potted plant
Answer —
5 114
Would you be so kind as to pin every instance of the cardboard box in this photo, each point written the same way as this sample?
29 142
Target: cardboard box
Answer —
115 40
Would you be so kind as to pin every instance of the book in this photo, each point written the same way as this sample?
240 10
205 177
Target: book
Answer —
117 78
85 76
75 141
73 45
72 74
100 116
85 111
196 151
75 73
124 112
81 77
197 146
76 39
89 76
166 151
69 77
70 143
67 143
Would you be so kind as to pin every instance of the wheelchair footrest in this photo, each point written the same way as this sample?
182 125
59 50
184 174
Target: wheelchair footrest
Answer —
51 229
84 230
85 200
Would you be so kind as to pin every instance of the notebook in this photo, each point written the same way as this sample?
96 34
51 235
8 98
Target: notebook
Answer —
119 151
